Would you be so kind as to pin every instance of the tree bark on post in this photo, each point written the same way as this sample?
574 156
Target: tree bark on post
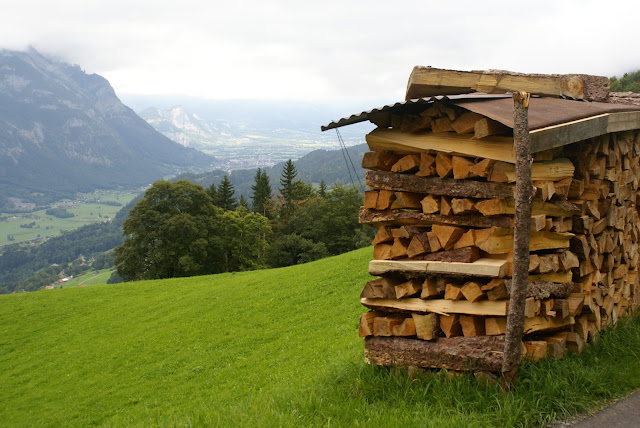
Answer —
523 201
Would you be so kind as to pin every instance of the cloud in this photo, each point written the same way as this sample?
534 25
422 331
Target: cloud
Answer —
328 50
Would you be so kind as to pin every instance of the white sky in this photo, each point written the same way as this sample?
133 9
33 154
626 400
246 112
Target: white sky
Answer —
331 50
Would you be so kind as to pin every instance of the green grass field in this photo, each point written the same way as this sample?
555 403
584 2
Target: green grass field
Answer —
265 348
89 278
47 225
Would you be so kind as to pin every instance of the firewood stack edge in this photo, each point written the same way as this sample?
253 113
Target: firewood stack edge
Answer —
441 195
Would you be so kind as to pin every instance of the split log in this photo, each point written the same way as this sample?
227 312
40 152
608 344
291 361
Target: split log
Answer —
496 289
472 291
419 245
385 199
468 239
486 127
433 287
406 328
407 164
548 263
371 199
447 235
453 292
382 251
427 326
383 326
408 288
544 289
482 168
379 160
472 326
399 248
441 124
415 123
466 122
430 204
366 323
457 353
536 349
463 206
383 235
461 255
461 167
427 165
497 326
450 325
438 186
389 217
552 209
501 241
445 206
406 200
444 168
380 288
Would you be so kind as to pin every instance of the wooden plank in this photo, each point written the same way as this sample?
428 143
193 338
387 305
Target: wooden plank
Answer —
438 186
429 81
396 218
440 306
623 121
498 148
567 133
483 267
483 353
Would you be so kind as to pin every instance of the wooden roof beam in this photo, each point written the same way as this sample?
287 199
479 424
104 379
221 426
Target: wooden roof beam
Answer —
429 81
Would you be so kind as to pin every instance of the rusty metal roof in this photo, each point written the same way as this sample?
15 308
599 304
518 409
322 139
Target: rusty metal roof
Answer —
543 111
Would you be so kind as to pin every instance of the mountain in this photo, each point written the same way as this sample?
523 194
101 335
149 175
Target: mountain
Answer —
243 134
63 131
184 128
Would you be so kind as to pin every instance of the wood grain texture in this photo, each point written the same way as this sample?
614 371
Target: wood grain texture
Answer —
493 268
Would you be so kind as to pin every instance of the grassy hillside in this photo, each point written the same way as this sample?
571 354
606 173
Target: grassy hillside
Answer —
267 348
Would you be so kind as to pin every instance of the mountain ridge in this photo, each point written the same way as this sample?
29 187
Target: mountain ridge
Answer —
64 131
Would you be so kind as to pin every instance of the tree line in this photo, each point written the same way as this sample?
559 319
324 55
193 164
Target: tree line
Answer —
182 229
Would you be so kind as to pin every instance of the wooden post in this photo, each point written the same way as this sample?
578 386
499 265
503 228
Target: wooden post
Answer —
523 202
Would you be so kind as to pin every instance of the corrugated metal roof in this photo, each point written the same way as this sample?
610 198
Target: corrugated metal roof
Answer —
543 111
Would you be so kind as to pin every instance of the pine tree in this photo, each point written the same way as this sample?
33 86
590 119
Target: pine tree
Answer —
212 191
322 192
289 174
226 200
242 202
261 192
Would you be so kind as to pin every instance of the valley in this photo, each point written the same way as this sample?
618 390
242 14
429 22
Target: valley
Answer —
87 208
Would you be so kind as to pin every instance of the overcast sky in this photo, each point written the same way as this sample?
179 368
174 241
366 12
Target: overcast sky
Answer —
330 50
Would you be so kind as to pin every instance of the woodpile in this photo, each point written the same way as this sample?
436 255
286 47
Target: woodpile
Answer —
441 196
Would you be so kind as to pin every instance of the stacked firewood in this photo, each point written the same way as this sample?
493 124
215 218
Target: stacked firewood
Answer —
444 248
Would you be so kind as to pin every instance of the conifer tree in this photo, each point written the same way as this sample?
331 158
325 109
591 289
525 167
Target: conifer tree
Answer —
261 192
242 202
212 191
287 177
225 193
322 192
